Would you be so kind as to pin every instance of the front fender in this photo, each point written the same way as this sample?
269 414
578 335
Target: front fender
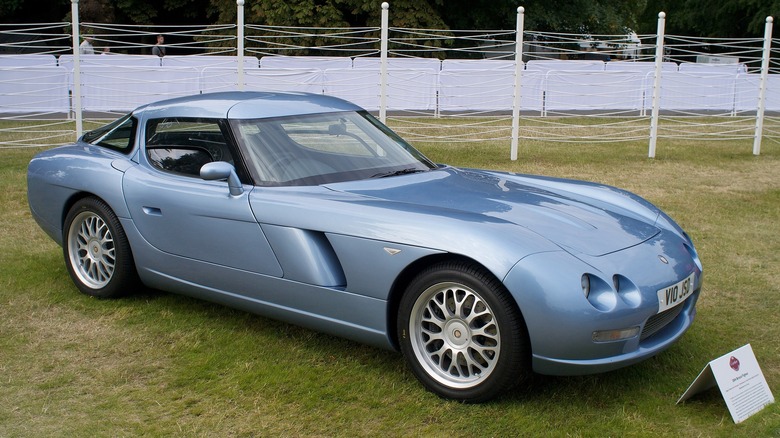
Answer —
562 321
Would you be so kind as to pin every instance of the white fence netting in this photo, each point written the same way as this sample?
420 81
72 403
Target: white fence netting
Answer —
440 85
32 86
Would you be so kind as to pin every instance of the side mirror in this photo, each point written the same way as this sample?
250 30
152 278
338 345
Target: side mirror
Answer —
337 129
220 170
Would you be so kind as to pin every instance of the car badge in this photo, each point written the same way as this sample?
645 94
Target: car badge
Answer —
392 251
734 363
663 260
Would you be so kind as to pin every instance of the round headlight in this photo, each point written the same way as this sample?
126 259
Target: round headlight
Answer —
585 284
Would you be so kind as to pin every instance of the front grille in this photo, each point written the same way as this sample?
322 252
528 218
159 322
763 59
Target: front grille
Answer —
659 321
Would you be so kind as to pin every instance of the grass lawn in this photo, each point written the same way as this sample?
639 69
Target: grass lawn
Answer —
165 365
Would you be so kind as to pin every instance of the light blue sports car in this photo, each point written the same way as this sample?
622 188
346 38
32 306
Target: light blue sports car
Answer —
307 209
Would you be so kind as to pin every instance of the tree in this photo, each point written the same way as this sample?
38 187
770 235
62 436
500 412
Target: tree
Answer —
710 18
25 11
573 16
9 8
96 11
176 12
578 16
334 13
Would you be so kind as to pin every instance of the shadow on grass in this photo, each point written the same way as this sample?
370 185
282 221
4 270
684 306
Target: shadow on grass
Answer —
651 378
161 313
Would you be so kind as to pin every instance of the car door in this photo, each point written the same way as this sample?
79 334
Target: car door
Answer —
181 214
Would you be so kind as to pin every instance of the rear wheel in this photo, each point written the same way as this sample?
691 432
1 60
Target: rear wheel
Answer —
96 250
461 333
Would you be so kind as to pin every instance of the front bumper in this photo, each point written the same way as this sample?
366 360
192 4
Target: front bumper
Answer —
645 349
561 321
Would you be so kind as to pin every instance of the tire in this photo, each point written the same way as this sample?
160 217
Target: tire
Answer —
461 333
96 250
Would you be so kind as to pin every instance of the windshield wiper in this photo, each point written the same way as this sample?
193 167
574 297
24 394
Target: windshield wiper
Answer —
397 172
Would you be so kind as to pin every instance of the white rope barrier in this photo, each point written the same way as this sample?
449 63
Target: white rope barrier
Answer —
570 87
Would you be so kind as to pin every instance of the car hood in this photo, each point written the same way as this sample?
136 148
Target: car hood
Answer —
571 220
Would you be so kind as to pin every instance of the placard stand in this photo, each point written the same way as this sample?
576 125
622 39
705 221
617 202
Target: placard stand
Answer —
740 380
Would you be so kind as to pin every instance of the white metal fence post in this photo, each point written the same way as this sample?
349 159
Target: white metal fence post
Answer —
240 43
659 58
518 74
762 87
74 11
383 63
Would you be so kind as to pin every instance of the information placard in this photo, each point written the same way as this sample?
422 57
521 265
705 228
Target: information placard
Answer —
740 380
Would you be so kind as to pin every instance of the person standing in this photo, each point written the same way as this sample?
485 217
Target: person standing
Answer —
158 48
86 48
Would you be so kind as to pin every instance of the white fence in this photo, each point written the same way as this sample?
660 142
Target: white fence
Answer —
404 77
120 83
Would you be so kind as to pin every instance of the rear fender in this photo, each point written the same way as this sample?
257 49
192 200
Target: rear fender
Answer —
59 177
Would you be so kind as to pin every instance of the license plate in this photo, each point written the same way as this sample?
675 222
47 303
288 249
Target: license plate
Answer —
675 294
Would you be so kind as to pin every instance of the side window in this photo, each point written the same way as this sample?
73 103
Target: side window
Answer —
184 161
119 135
182 146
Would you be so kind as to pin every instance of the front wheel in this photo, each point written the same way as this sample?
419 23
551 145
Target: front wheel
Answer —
96 250
461 333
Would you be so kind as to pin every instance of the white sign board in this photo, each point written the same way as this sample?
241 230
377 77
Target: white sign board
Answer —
740 380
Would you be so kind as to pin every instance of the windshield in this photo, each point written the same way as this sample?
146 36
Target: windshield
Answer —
324 148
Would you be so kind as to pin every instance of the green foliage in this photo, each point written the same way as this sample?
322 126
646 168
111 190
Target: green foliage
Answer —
10 7
137 11
304 13
589 16
582 16
416 14
334 13
710 18
707 18
26 11
96 11
176 12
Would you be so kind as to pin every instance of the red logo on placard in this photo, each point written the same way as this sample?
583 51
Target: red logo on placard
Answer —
734 363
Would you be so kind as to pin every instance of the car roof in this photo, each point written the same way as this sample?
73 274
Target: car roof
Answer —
244 105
